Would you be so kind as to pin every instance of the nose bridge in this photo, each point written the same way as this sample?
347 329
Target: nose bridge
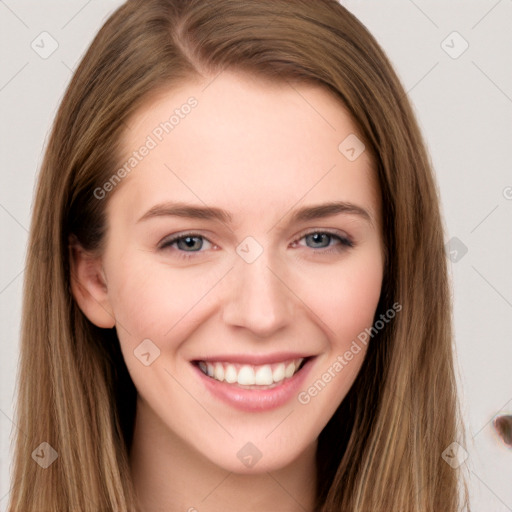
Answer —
257 299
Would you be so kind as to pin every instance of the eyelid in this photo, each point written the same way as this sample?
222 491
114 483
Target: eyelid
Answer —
334 232
170 239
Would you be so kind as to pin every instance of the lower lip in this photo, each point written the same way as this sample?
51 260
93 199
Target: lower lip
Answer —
254 400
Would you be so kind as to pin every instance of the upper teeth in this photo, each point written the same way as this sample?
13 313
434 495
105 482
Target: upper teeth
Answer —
249 375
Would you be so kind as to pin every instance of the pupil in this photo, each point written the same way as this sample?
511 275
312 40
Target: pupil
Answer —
318 238
192 242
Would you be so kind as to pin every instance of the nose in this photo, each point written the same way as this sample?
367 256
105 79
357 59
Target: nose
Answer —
257 298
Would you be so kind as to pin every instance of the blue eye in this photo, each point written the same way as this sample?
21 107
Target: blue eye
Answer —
194 243
324 239
322 242
189 242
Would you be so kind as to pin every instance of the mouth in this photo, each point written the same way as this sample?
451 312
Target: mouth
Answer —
254 383
249 376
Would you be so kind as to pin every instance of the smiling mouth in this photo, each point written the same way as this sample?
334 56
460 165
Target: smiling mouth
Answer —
252 376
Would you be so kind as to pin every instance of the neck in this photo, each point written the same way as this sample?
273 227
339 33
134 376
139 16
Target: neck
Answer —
170 475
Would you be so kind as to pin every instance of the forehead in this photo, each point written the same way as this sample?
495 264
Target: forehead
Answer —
245 142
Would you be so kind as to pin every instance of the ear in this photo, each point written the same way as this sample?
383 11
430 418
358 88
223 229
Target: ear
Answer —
89 285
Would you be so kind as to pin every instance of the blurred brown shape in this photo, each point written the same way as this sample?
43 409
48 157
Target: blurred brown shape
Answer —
503 425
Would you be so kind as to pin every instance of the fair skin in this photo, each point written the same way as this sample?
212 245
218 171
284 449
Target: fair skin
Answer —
261 152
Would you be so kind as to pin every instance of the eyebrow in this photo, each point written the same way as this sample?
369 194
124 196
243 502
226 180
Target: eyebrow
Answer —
187 210
212 213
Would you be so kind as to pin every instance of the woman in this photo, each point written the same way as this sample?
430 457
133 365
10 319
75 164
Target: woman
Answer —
241 302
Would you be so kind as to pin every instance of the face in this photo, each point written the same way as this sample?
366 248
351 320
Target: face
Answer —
243 258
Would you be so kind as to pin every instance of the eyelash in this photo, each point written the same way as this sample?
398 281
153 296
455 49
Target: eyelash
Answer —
345 243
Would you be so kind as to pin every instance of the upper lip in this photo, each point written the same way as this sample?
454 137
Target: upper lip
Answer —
254 359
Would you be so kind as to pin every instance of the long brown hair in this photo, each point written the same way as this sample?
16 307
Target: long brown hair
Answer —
382 450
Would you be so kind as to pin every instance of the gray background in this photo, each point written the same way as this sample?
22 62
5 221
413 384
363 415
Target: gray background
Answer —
464 106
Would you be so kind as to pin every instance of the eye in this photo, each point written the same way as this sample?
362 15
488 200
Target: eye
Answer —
323 240
188 242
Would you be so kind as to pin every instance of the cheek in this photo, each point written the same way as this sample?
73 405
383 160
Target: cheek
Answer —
152 300
139 301
356 299
344 298
156 303
346 306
